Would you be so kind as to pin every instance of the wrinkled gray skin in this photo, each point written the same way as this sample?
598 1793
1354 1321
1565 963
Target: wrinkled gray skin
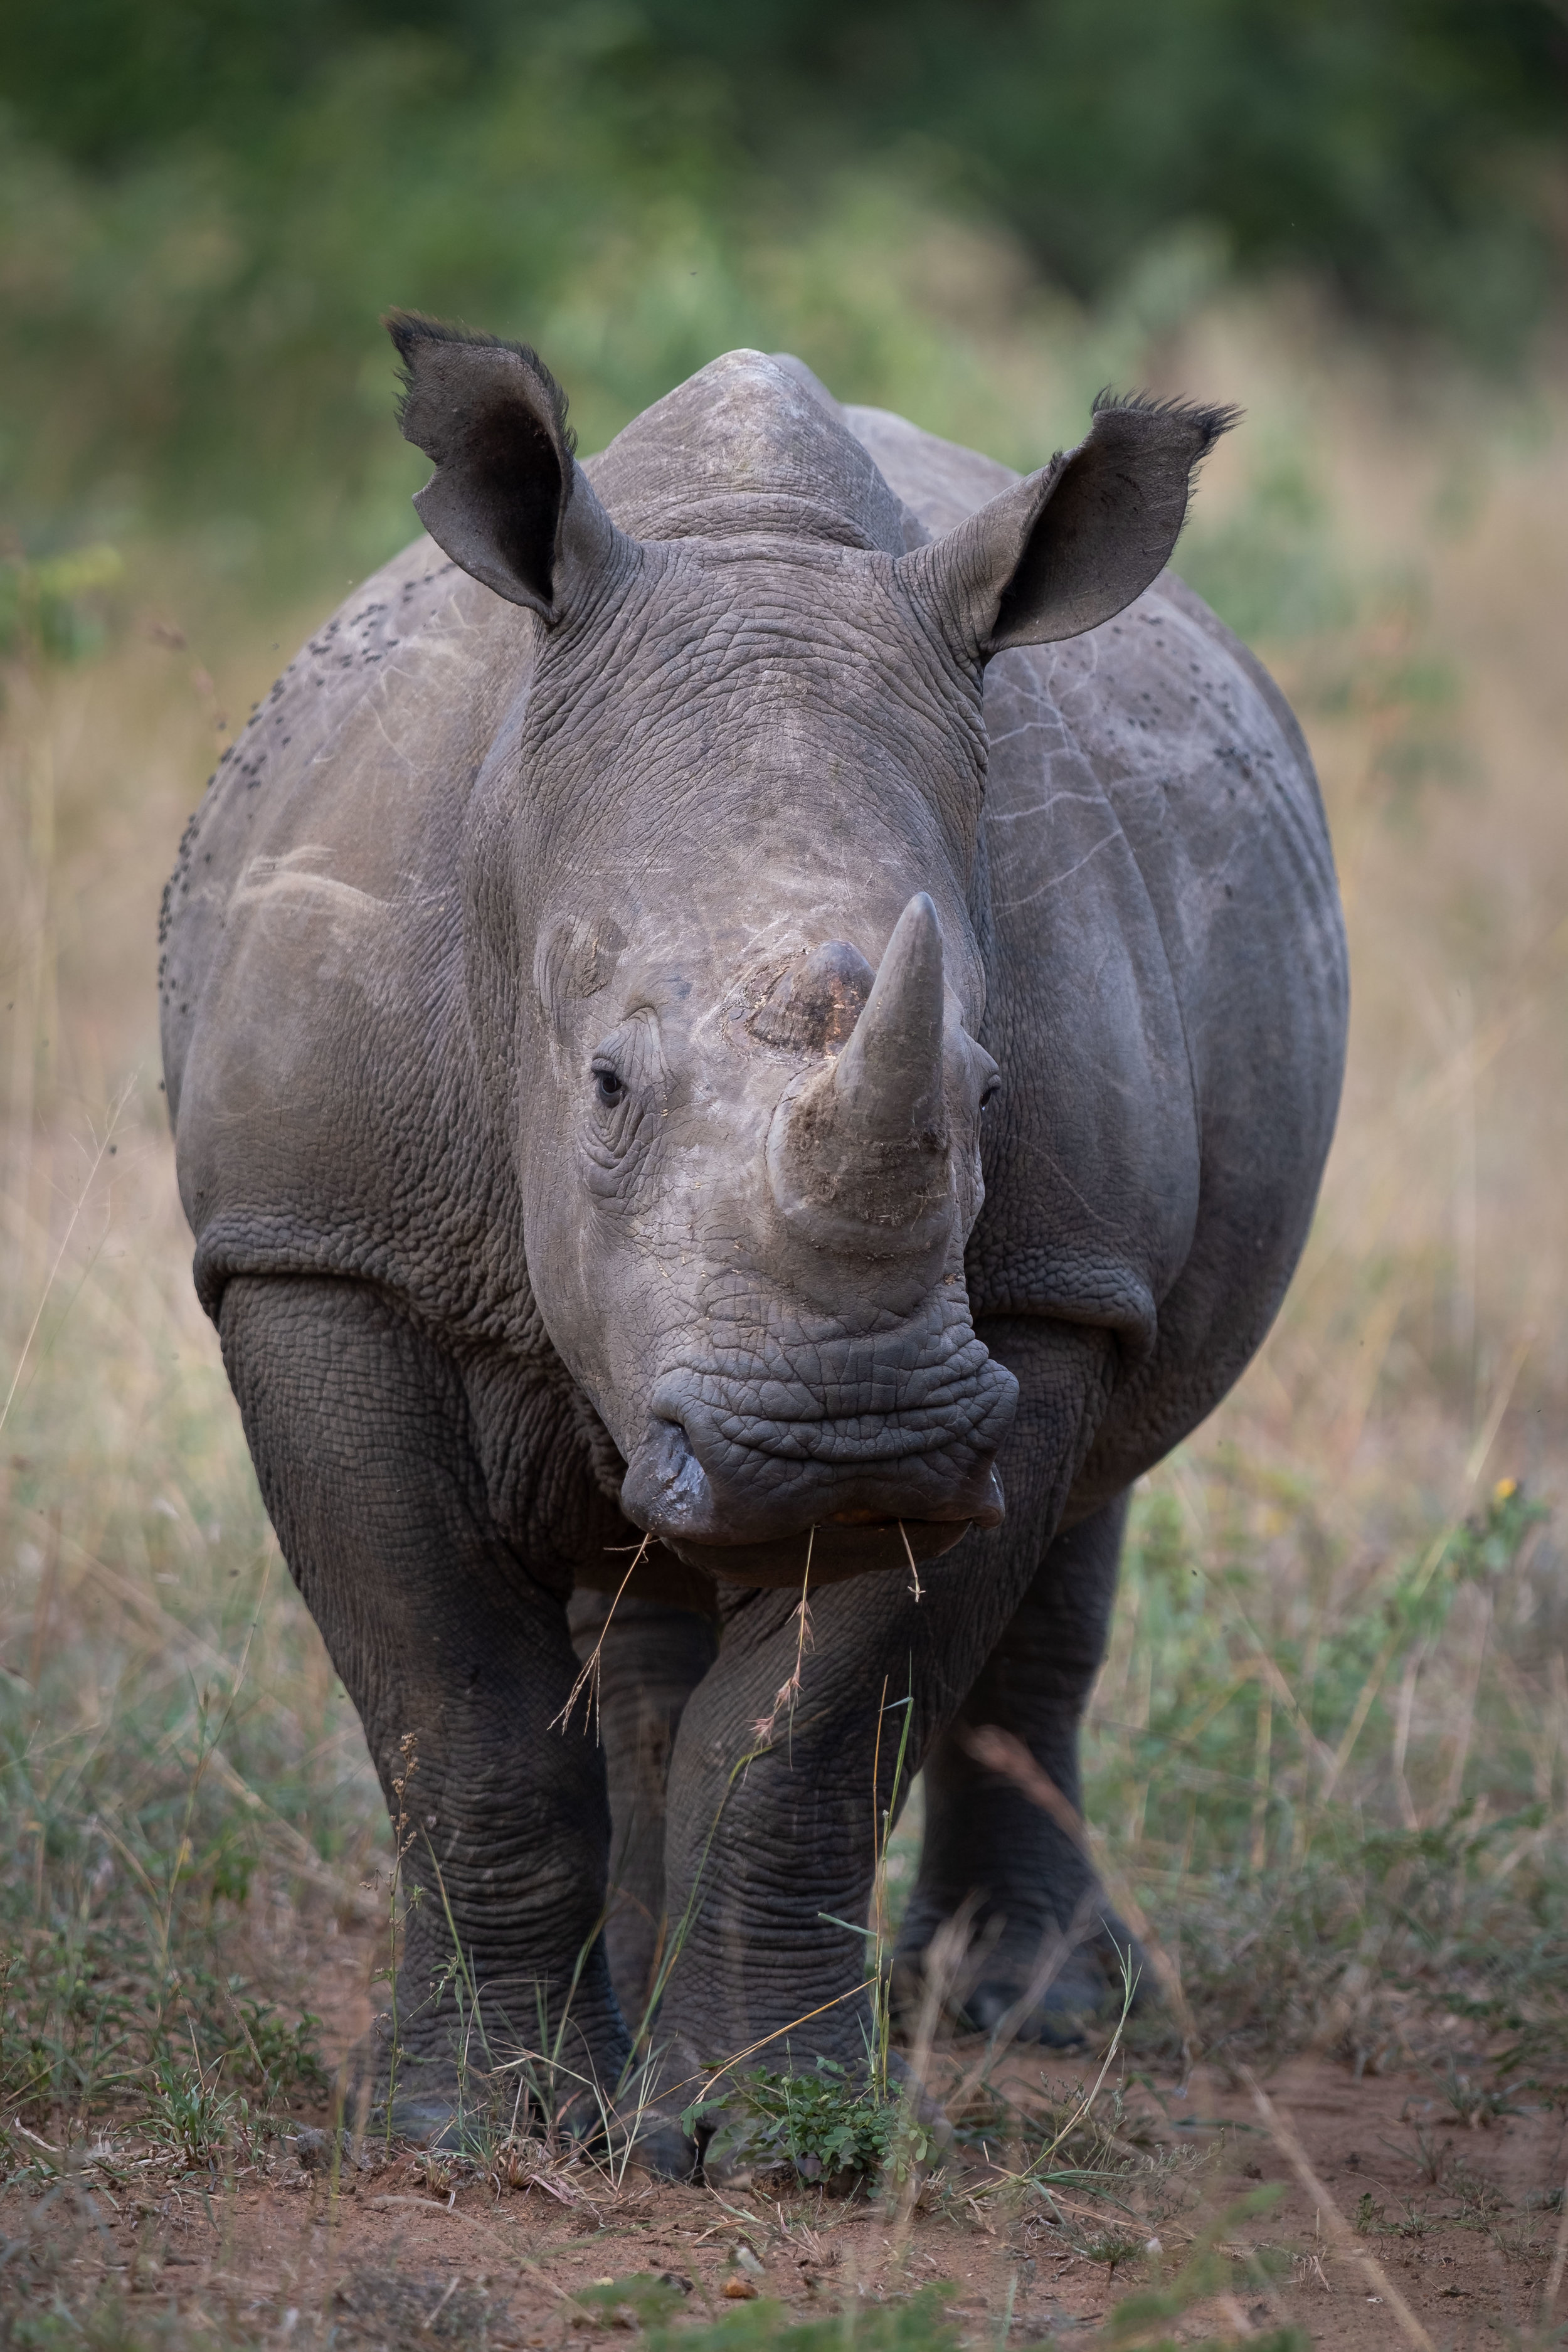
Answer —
584 992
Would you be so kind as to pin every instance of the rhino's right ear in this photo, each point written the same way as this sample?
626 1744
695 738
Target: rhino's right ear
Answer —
507 501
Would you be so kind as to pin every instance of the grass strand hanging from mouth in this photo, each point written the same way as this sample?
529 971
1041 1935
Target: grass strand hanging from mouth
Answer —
788 1691
590 1677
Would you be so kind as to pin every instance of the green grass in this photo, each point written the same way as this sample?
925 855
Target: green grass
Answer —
1339 1799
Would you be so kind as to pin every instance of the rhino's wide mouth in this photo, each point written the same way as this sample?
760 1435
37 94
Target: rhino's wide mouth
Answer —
850 1434
835 1553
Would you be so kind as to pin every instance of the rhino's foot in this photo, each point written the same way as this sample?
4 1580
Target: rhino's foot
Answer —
1001 2007
660 2147
419 2100
1052 1994
432 2117
434 2099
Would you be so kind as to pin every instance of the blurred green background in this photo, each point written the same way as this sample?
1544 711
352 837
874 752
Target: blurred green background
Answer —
205 205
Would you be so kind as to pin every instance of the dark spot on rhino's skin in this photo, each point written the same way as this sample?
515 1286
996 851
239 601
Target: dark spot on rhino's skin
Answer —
812 1008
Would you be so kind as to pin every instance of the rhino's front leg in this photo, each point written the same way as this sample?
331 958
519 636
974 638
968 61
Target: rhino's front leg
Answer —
766 1855
365 1441
651 1657
1048 1948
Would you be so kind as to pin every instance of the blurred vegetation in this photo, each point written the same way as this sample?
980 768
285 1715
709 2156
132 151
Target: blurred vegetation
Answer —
205 204
1335 1849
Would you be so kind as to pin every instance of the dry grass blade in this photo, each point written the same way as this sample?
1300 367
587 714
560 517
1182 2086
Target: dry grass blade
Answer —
916 1591
789 1690
1000 1751
708 2080
1284 2136
588 1674
104 1147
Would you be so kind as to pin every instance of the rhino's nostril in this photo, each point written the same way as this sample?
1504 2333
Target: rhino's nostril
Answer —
666 1486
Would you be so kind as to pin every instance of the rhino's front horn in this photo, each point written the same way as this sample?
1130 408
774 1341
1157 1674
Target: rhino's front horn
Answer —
858 1152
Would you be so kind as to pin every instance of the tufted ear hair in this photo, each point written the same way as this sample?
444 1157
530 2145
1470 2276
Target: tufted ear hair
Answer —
507 500
1071 545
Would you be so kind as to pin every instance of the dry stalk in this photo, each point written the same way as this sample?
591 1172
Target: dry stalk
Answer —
944 1961
789 1690
915 1592
1432 1561
1283 2135
589 1675
1000 1751
1055 1951
105 1145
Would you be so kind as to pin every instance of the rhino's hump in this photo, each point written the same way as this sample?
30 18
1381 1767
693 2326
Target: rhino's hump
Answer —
749 446
939 481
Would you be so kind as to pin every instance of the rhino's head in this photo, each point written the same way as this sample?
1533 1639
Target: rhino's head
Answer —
720 880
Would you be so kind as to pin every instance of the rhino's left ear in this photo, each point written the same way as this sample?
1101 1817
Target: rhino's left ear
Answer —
507 500
1070 546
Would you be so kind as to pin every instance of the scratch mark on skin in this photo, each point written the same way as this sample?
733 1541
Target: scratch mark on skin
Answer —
404 761
1056 880
1041 1152
1044 808
292 877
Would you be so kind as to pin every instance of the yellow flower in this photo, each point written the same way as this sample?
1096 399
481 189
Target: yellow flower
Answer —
1504 1488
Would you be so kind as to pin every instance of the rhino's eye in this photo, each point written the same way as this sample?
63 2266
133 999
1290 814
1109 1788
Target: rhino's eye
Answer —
991 1089
608 1083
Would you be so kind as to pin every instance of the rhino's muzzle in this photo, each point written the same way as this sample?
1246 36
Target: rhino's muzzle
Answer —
742 1496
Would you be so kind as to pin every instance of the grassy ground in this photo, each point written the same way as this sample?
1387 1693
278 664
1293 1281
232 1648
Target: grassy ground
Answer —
1327 1761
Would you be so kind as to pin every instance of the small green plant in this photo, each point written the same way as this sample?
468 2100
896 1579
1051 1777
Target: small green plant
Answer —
640 2298
1478 2104
1149 2315
1112 2250
1430 2158
831 2127
189 2114
273 2057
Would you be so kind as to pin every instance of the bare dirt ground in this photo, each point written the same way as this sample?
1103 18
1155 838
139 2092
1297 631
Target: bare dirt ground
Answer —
1457 2219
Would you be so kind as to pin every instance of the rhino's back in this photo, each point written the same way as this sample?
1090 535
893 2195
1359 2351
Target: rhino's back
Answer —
1168 983
315 1037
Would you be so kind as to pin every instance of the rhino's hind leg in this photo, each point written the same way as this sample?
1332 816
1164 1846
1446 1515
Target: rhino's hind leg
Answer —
363 1436
1047 1950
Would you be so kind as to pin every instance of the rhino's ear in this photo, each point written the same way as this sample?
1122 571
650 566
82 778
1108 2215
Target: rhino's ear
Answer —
1070 546
507 501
